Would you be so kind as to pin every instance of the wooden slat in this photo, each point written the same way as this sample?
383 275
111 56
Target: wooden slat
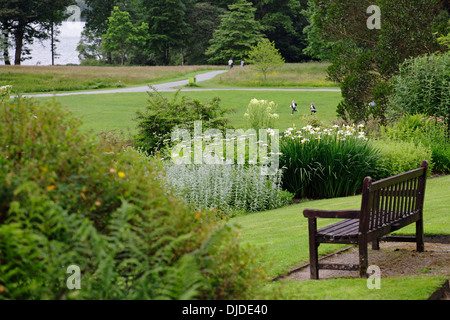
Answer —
397 179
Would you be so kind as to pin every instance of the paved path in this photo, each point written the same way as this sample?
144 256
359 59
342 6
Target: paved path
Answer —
171 86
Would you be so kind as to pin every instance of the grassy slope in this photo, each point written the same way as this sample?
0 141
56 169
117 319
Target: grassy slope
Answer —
26 79
291 75
116 111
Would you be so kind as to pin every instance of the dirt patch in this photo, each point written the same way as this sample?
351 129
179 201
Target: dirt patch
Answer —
394 260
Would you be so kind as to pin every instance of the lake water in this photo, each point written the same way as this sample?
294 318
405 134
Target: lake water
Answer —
66 48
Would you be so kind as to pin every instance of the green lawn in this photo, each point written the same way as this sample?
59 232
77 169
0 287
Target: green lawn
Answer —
116 111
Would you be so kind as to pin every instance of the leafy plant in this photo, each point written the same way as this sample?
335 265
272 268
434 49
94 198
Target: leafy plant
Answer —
230 189
162 116
421 129
399 156
422 87
326 163
261 114
70 198
122 35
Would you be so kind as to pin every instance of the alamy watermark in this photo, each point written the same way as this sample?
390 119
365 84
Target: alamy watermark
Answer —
74 280
237 147
374 279
374 21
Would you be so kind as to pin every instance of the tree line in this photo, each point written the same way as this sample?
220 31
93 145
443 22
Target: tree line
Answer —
159 32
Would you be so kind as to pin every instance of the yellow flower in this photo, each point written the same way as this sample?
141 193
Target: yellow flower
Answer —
51 188
44 169
121 174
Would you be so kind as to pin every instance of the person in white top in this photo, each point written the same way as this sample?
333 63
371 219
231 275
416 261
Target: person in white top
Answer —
230 63
293 107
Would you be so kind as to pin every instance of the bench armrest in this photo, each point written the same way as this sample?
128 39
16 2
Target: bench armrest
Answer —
338 214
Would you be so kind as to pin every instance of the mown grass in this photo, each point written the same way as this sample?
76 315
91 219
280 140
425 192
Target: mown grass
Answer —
405 288
106 112
291 75
33 79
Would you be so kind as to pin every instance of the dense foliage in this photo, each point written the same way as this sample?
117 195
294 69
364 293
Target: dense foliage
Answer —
422 86
326 163
424 132
162 116
364 58
69 198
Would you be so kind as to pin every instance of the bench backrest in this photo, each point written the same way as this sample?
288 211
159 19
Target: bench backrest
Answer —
388 201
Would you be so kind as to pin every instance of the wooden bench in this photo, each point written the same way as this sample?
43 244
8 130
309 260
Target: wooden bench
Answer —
387 205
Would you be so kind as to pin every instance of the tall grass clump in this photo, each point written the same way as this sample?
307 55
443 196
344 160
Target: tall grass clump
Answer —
71 198
326 163
231 189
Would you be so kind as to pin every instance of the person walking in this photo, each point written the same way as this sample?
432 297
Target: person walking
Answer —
313 108
230 63
293 107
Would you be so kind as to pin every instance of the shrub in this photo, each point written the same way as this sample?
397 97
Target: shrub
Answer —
399 156
429 131
162 116
326 163
422 86
69 198
229 188
261 114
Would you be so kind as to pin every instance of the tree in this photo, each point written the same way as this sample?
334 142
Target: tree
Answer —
283 23
24 20
122 35
204 19
237 33
168 27
264 56
365 59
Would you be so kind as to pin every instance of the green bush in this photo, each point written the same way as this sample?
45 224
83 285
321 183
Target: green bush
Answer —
421 129
326 163
161 117
399 156
422 86
69 198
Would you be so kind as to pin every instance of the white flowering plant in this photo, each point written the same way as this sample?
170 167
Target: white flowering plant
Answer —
261 114
326 162
5 92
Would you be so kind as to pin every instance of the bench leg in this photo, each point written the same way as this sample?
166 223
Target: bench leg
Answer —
313 249
419 236
363 259
376 244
